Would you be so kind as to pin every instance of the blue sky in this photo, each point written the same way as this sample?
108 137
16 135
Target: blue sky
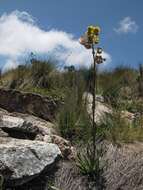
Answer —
124 44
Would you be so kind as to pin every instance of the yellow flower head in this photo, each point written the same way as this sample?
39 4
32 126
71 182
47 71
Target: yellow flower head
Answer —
90 37
93 34
93 30
95 39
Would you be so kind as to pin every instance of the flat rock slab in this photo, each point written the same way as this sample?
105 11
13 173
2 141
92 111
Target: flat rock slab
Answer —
16 124
22 160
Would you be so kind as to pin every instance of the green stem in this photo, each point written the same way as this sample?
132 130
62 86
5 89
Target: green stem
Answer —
93 103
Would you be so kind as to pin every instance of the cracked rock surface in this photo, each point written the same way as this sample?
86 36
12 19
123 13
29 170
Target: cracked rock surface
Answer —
22 160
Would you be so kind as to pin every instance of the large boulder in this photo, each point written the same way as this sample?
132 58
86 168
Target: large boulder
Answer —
101 109
23 160
34 104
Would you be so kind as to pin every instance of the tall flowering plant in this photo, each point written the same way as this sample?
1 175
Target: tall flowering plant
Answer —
89 40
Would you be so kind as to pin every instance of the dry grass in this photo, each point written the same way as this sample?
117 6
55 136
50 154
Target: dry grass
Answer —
125 167
68 178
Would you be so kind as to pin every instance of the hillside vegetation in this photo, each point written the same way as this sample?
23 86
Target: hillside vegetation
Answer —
121 88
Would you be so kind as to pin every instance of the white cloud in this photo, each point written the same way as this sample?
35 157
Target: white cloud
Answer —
20 35
127 25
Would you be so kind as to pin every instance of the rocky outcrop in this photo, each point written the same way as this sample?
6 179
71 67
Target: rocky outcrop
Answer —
24 126
28 146
34 104
22 160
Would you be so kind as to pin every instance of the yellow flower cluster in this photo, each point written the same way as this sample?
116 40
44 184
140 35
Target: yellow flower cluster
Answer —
93 34
90 37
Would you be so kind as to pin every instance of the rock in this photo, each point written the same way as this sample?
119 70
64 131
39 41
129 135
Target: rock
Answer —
68 152
101 109
12 124
128 116
47 138
44 127
3 134
24 126
23 160
34 104
99 98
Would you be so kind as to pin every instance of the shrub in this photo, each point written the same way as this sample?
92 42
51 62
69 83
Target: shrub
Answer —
73 120
40 71
121 85
18 76
117 130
